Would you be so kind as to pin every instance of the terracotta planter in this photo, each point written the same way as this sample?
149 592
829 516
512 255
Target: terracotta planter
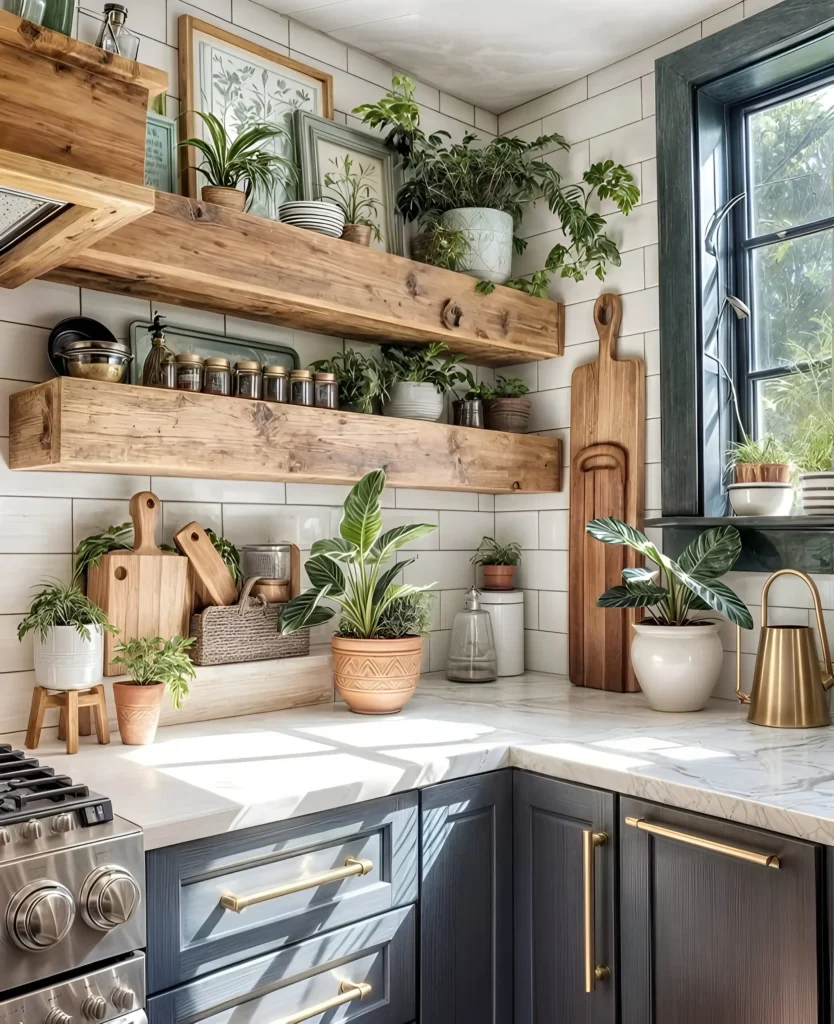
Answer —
763 473
137 711
230 198
377 677
510 414
499 577
358 233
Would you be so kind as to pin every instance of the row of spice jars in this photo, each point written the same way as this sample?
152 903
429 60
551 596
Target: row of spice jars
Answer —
214 376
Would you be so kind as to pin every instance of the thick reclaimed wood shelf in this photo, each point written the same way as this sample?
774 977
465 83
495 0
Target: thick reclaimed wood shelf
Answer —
69 425
196 254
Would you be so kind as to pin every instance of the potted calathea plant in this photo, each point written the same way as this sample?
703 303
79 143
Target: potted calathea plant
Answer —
677 653
69 633
417 380
375 664
154 666
499 563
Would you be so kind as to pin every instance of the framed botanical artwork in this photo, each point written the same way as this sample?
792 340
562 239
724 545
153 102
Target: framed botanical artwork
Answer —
161 154
322 148
241 83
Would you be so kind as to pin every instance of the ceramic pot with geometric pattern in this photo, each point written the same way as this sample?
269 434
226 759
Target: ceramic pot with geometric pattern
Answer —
489 234
377 677
137 711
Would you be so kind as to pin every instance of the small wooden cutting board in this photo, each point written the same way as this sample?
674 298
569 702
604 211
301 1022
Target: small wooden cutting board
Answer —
213 583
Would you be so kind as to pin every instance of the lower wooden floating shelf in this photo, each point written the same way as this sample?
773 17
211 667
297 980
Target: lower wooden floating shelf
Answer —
68 425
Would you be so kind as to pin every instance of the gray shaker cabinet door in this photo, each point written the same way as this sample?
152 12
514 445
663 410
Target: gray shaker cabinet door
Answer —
550 880
708 937
466 922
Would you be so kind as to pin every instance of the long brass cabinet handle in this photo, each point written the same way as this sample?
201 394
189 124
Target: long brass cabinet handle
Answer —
765 860
353 866
348 991
594 972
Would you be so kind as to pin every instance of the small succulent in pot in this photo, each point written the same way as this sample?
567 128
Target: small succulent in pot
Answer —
153 665
508 408
417 380
499 562
352 191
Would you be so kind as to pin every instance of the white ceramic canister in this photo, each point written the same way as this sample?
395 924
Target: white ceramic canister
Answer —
66 661
506 610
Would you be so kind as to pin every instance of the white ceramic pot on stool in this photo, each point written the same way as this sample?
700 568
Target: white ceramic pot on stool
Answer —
506 611
66 661
677 666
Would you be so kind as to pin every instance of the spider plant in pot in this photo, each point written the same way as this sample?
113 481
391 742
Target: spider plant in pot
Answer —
362 380
68 637
353 190
507 407
237 168
468 411
499 562
417 380
376 667
154 666
677 653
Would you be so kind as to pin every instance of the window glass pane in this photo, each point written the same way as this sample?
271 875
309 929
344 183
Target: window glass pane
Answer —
792 293
792 155
793 407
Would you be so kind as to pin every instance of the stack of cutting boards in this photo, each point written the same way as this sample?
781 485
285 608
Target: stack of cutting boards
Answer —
607 478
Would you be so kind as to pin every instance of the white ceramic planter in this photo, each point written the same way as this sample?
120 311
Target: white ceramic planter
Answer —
490 237
677 666
411 401
66 661
761 499
817 494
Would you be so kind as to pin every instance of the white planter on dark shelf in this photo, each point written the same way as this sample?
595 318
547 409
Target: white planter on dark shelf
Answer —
412 401
490 237
66 661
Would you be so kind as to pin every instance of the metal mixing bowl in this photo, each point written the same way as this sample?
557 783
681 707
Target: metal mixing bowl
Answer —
97 360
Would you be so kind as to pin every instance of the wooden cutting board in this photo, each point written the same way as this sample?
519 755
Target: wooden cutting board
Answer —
144 592
213 583
608 445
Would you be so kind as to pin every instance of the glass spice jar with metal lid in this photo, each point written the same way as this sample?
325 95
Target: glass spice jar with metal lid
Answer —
327 390
301 387
217 379
189 372
276 384
248 379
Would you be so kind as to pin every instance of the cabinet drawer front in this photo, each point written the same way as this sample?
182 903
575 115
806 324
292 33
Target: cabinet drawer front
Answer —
192 888
379 953
715 933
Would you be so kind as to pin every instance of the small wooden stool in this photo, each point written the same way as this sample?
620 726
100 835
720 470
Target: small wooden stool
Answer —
75 707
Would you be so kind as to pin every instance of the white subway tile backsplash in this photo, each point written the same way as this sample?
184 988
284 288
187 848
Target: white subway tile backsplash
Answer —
545 652
652 344
652 397
442 570
35 525
457 109
94 515
651 265
648 88
370 68
722 20
648 179
172 488
261 20
439 650
461 501
463 531
39 304
486 502
304 40
652 441
23 351
536 109
486 121
547 570
177 514
554 528
15 655
271 524
599 114
641 63
24 574
553 611
518 528
531 609
116 312
550 409
626 145
451 602
533 502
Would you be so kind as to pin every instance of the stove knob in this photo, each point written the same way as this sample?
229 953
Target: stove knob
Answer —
57 1016
63 823
94 1008
40 914
123 998
31 830
5 837
109 897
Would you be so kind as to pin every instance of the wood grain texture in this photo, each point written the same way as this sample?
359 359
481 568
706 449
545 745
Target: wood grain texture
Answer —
84 426
608 445
197 254
74 709
213 583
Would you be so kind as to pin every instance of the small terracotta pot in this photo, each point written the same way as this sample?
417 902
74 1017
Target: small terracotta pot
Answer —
377 677
763 473
510 414
137 711
499 577
358 233
230 198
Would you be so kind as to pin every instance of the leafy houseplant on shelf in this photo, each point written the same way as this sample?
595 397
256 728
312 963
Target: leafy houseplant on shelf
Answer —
237 168
762 471
352 191
507 408
69 632
418 378
676 654
153 665
499 562
375 666
362 380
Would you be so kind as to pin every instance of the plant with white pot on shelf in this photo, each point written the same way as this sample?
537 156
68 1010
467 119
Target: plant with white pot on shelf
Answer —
418 379
677 653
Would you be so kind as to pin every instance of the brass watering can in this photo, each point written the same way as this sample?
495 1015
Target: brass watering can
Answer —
789 690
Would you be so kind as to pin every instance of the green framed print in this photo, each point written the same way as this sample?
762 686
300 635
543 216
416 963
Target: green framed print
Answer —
322 147
161 170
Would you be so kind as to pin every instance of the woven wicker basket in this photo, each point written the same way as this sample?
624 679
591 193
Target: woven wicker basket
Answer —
246 631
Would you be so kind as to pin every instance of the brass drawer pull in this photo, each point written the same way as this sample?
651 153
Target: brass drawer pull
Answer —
348 991
353 866
765 860
590 841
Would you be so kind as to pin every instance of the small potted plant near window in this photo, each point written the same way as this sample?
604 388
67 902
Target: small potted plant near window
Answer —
362 381
499 562
153 665
417 380
236 168
69 633
469 410
378 646
508 409
677 653
762 477
352 191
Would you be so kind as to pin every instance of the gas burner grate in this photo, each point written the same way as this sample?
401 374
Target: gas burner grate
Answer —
31 790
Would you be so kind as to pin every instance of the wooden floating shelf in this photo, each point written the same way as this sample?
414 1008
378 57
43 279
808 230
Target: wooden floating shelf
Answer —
68 425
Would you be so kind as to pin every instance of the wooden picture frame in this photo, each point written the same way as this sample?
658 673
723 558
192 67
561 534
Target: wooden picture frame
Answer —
194 34
161 154
318 140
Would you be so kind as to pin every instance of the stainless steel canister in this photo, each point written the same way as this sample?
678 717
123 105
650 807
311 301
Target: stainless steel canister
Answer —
269 561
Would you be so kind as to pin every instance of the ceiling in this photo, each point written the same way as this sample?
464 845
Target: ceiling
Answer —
499 53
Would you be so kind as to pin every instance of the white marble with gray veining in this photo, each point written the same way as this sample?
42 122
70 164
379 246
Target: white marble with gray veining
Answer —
206 778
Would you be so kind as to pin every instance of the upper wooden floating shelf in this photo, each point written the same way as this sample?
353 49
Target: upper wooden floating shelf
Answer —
70 425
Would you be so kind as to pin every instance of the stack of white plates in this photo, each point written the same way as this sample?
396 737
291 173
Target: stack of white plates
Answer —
325 218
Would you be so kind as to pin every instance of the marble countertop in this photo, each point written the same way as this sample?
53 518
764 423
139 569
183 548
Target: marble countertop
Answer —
206 778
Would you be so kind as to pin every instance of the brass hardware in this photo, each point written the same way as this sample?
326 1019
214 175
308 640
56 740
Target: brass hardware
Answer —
590 841
348 991
353 866
765 860
788 685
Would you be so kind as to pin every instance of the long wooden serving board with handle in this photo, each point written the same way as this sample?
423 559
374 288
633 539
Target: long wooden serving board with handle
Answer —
608 444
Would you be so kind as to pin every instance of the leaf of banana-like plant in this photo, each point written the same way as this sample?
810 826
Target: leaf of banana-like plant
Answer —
304 611
362 520
339 550
390 541
388 577
614 531
712 553
324 572
621 597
